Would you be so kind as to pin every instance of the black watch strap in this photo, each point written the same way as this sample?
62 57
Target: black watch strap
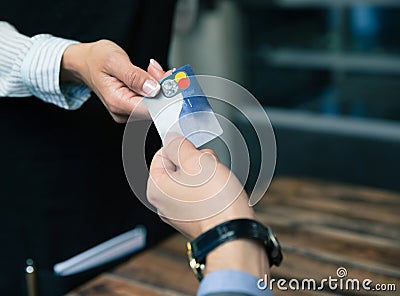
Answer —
199 248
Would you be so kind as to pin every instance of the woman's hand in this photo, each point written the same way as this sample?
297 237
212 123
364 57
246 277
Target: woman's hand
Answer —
106 68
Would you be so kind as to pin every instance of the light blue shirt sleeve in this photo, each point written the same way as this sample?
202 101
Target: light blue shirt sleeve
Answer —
234 281
31 66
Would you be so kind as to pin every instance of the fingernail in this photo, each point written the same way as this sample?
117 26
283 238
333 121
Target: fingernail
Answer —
151 88
156 64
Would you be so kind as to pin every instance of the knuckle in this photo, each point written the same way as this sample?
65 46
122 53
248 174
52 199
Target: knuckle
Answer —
132 79
113 109
151 199
110 60
119 119
153 192
208 154
100 45
102 42
116 114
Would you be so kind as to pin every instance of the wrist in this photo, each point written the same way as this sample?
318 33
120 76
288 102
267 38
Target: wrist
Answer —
240 244
246 255
73 63
239 209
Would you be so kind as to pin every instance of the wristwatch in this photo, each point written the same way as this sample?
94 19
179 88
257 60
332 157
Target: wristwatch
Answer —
199 248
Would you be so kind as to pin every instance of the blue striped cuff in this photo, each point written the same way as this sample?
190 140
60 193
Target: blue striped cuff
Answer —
225 281
40 72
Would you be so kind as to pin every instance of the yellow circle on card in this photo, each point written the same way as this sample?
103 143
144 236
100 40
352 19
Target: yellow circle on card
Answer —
179 76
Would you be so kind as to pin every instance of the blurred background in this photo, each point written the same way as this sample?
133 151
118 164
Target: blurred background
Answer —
326 71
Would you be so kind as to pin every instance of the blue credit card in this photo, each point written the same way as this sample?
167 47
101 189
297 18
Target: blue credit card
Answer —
182 107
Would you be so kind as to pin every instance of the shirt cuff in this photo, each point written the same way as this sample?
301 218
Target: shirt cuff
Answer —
225 281
40 72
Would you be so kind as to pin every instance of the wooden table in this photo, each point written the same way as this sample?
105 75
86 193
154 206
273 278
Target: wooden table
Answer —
322 226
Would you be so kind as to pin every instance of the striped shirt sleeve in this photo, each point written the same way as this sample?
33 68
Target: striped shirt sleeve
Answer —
31 66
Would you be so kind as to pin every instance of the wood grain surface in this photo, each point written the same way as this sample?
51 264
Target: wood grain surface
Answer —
321 226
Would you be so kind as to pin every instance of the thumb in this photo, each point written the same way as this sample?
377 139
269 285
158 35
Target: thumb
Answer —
134 77
156 70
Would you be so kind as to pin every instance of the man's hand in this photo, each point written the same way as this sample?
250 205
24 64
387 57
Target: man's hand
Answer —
106 68
181 174
192 186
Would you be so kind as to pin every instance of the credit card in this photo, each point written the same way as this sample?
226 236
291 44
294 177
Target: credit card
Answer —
181 107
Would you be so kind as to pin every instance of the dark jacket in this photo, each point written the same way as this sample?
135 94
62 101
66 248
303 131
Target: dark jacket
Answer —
62 185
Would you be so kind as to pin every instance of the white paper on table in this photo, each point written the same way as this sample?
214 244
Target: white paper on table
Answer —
108 251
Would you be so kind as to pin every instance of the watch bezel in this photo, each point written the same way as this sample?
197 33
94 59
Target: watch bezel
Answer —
275 253
196 267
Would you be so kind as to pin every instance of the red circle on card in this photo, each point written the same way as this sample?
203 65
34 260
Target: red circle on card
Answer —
183 83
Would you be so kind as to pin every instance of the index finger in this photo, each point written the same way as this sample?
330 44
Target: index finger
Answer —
160 165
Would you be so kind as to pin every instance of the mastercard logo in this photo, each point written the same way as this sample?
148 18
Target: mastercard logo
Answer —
175 84
182 80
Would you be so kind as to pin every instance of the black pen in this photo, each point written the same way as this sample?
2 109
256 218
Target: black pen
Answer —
30 275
